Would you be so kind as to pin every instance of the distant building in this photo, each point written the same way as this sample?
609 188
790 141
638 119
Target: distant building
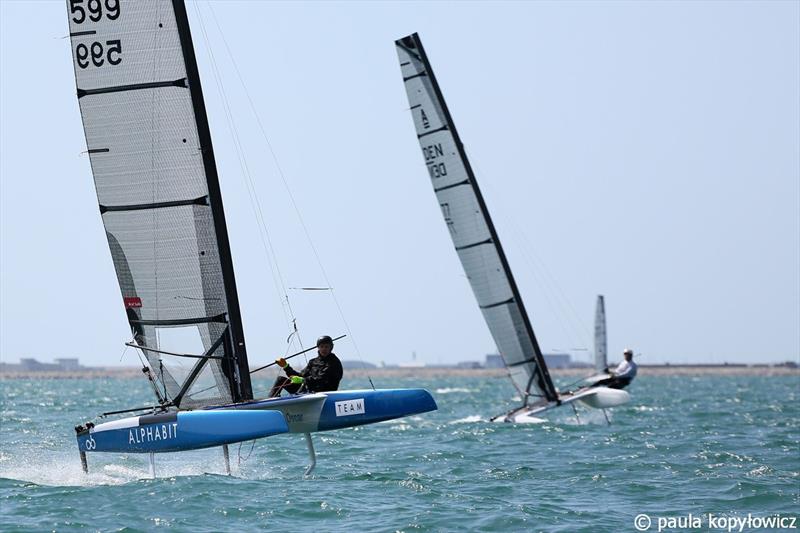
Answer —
468 364
493 360
553 360
356 365
29 364
557 360
412 364
68 363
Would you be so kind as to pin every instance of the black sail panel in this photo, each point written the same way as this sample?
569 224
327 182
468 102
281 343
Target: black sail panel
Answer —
470 225
153 165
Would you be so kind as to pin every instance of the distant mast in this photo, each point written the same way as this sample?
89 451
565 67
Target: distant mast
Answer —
471 227
600 340
156 179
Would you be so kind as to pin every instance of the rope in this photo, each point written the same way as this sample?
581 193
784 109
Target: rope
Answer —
286 186
558 301
255 204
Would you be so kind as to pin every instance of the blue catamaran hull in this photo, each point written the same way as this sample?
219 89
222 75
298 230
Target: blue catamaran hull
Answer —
175 432
324 411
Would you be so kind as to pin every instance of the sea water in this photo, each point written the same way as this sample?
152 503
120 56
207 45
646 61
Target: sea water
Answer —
709 448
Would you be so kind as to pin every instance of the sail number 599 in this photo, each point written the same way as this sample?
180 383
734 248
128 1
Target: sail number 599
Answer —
93 10
98 54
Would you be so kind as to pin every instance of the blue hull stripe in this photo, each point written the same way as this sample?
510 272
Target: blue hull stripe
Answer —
190 430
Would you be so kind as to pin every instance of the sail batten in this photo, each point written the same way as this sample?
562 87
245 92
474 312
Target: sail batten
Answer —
470 226
155 176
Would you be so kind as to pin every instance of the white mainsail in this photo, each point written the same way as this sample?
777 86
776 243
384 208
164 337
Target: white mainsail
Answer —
470 226
600 340
154 171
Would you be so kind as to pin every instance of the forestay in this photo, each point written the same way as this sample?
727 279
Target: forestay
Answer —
600 340
154 171
470 226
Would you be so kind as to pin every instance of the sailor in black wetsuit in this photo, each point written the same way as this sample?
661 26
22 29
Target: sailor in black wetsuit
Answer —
322 373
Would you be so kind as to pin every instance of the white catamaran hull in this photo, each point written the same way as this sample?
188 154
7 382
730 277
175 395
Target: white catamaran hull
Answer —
596 397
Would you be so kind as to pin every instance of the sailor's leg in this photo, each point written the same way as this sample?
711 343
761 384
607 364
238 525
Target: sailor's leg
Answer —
152 465
84 464
311 454
227 457
619 383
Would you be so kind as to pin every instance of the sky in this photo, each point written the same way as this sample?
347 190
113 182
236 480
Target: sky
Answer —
646 151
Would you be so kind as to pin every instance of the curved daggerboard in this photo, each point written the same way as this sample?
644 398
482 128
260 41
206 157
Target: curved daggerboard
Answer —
156 179
471 227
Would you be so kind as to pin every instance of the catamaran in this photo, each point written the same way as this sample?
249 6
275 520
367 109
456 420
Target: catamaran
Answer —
479 249
159 197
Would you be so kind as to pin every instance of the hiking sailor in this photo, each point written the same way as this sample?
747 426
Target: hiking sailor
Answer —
322 373
622 376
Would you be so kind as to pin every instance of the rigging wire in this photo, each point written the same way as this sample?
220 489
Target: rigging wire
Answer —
286 186
266 240
558 300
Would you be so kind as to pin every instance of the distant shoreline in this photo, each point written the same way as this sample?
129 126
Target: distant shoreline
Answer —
425 372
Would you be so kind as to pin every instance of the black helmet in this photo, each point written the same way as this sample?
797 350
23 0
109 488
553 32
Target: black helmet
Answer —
325 339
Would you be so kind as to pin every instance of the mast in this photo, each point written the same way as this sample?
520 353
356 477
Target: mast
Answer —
412 46
236 366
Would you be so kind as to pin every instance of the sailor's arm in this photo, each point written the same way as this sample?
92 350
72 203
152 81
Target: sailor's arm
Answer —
281 362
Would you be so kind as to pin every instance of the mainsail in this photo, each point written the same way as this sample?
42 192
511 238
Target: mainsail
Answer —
470 226
600 341
151 155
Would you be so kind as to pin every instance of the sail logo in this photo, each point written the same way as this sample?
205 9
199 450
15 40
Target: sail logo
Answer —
153 433
350 407
132 301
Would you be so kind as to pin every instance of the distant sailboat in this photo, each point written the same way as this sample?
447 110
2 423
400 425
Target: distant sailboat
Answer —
478 245
151 154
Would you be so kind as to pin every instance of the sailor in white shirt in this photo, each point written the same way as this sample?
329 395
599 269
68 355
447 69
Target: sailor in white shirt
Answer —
622 376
